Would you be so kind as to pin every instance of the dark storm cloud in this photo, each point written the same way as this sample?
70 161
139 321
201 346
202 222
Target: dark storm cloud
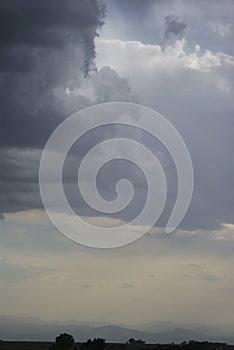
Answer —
19 165
50 24
45 47
173 26
34 75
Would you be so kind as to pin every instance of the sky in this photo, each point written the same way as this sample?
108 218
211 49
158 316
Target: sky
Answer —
176 57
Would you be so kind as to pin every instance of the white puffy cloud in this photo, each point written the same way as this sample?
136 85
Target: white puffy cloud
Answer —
127 56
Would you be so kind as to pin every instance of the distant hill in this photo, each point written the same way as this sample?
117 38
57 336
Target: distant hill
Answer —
17 328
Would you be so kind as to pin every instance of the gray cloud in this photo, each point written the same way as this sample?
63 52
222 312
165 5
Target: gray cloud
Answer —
34 101
196 102
34 75
45 48
51 24
209 277
128 285
124 17
110 87
19 172
19 179
173 26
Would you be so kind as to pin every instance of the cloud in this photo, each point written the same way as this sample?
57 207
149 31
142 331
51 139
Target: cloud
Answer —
52 25
206 276
128 285
194 82
46 47
12 272
29 235
123 19
59 88
110 87
197 265
105 85
170 68
173 26
209 277
32 231
19 171
2 217
223 30
42 81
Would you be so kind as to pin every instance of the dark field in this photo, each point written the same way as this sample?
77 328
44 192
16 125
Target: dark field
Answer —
33 345
15 345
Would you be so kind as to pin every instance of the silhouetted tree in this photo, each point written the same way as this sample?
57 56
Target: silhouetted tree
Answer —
64 342
131 340
96 344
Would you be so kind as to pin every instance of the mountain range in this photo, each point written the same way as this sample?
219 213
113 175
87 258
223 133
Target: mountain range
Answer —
19 328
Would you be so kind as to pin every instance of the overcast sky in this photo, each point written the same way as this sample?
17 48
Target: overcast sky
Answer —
176 57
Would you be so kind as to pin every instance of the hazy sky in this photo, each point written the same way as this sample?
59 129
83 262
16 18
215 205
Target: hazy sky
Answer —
173 56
